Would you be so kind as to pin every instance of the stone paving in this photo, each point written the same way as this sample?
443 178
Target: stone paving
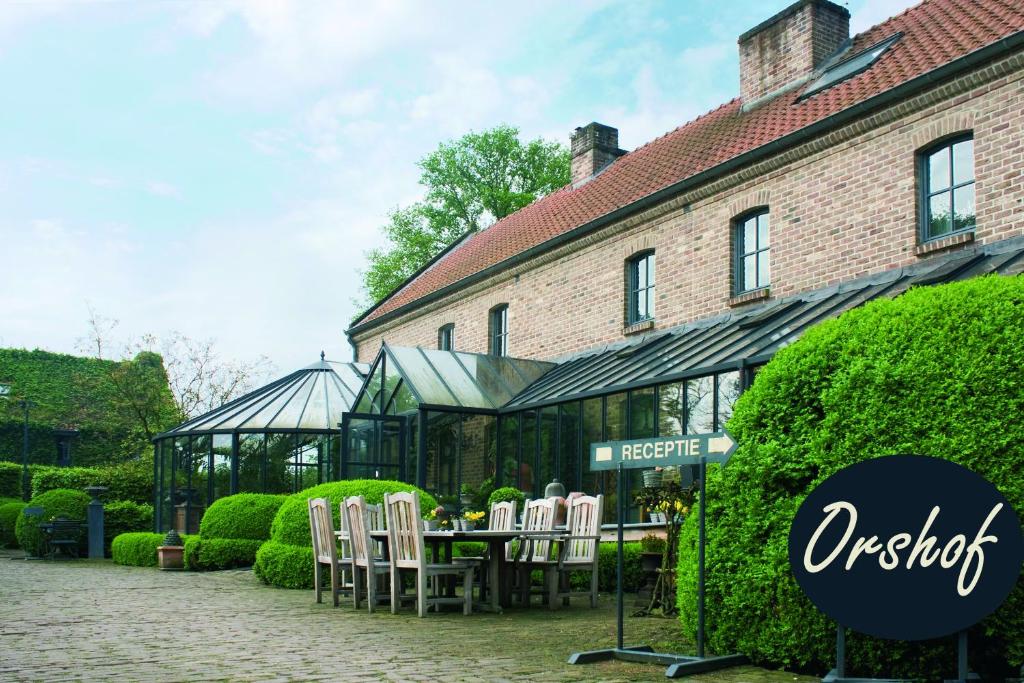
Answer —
93 620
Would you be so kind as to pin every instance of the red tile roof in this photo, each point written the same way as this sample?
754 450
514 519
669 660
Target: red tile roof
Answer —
934 33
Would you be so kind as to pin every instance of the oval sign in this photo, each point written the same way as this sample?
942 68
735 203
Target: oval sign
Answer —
906 547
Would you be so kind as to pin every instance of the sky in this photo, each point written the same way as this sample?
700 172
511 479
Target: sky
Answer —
220 167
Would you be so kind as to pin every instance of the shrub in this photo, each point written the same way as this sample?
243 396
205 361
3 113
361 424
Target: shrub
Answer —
244 515
203 554
124 516
506 493
8 518
607 563
129 481
936 371
286 560
138 549
57 503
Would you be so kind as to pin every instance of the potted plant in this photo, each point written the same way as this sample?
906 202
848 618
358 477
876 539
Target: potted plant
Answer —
466 495
652 478
171 555
652 550
430 519
471 519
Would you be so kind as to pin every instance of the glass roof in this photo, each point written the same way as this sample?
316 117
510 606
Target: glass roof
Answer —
447 378
851 66
308 400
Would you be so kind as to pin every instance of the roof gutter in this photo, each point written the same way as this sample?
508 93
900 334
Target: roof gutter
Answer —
948 70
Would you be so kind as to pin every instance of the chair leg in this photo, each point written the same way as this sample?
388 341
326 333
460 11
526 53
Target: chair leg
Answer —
468 588
357 588
317 588
524 586
593 587
371 589
396 582
551 576
335 582
421 592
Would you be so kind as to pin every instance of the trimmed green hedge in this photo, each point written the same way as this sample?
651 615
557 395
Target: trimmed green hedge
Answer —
128 481
243 515
9 513
607 560
936 371
124 516
202 554
138 549
506 493
286 560
10 480
58 503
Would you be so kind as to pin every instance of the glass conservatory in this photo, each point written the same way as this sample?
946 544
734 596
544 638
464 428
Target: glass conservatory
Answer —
281 438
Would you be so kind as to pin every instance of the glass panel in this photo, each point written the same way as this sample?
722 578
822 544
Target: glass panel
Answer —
509 455
442 454
528 457
477 450
750 272
650 270
250 463
938 170
291 413
963 162
309 460
569 446
548 447
280 466
762 231
963 205
616 419
728 392
763 272
749 235
391 381
367 398
938 213
670 409
389 450
362 449
700 405
201 472
650 302
642 417
640 269
221 465
421 375
593 432
404 402
462 385
641 305
166 457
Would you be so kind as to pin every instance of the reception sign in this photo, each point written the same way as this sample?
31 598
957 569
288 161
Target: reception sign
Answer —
662 451
906 547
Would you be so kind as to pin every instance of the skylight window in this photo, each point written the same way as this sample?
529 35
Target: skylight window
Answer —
851 66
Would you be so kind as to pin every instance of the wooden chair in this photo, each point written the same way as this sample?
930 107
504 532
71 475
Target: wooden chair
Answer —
538 515
364 559
405 542
578 551
325 549
501 518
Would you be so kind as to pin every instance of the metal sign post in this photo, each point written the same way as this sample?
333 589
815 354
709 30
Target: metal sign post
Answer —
690 449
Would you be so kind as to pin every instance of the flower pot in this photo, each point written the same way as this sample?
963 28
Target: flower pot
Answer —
457 525
657 517
650 562
468 526
652 478
170 557
430 525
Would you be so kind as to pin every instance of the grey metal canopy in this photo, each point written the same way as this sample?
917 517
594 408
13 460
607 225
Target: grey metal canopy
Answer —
749 338
310 400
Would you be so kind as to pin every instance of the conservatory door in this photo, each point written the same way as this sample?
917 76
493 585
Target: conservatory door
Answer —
373 447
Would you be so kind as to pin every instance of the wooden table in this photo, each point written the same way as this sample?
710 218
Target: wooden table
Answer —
498 570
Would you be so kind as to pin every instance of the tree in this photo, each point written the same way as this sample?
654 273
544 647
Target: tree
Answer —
469 184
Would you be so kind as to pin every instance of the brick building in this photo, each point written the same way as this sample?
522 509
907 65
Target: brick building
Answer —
640 299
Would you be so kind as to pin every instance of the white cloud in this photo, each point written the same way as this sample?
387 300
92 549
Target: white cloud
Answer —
163 189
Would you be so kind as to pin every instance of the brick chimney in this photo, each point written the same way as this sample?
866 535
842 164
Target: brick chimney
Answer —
594 146
785 49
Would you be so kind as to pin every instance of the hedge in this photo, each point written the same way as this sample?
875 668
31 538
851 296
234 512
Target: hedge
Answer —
506 493
58 503
9 513
936 371
244 515
203 554
10 478
286 560
127 481
138 549
124 516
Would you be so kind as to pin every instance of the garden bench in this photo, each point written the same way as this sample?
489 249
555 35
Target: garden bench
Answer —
62 535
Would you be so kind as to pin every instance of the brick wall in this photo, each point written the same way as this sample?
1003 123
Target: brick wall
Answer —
840 207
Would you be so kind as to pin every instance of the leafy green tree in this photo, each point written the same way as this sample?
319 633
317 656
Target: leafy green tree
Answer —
469 184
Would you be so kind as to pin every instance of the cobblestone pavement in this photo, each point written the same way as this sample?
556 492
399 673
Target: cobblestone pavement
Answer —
92 620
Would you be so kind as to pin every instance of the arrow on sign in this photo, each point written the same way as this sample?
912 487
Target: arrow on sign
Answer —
721 448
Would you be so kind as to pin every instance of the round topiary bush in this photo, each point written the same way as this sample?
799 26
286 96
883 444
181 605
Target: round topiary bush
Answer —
286 560
243 515
8 518
936 371
507 493
64 503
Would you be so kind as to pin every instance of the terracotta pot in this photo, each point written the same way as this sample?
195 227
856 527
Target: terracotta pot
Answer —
171 557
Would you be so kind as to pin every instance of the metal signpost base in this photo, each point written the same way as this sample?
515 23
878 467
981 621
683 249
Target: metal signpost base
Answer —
678 665
838 674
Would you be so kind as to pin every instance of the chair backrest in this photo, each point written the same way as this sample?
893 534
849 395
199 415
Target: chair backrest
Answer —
503 518
405 529
584 520
539 515
321 526
358 530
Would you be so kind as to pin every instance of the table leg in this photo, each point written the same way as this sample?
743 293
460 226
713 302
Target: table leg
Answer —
497 558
